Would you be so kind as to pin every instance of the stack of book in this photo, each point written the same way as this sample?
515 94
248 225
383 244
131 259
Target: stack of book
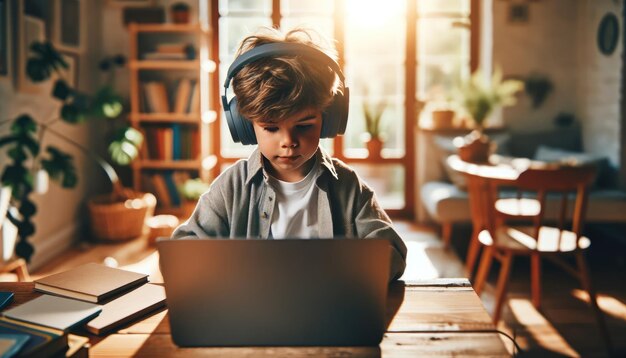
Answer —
170 51
94 297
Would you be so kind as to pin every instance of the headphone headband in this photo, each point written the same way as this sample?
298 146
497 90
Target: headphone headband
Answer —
334 118
277 49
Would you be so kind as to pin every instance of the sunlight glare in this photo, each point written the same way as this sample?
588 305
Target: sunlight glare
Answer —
541 330
418 265
608 304
372 13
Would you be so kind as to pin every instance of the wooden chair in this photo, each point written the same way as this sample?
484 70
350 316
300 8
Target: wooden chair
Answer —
540 239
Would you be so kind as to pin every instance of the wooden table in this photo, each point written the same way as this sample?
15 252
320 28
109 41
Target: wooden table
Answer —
442 317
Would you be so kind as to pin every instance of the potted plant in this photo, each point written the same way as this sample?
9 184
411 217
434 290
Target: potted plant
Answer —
190 191
180 13
373 113
29 167
479 97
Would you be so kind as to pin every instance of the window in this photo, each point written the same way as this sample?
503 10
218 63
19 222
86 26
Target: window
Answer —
394 52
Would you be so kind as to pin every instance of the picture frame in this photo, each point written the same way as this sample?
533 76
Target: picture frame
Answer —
30 29
518 13
6 43
70 74
608 34
70 28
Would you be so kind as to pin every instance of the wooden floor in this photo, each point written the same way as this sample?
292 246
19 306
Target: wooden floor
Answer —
565 327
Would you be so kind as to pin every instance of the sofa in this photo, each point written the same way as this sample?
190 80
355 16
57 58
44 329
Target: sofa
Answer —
444 200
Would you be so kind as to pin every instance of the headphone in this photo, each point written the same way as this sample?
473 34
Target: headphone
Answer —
334 118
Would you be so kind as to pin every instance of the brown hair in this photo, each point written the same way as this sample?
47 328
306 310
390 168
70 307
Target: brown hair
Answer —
273 88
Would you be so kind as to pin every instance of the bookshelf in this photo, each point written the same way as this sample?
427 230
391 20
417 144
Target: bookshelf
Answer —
169 105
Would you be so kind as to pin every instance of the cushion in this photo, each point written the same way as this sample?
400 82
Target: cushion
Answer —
525 145
555 155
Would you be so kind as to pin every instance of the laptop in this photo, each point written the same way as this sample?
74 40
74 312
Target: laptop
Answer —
294 292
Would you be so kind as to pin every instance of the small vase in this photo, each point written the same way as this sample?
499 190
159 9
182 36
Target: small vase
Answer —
374 147
475 147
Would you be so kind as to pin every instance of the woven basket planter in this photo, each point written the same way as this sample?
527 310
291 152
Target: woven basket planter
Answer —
120 220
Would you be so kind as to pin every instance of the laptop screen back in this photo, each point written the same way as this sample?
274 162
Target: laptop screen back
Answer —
224 292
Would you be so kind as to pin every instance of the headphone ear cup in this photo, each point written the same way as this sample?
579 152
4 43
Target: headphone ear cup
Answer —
241 129
335 118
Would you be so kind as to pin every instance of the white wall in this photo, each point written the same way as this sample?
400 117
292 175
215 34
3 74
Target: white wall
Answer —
546 44
559 41
60 215
599 84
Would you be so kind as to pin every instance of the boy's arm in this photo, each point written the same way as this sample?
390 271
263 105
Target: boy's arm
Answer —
209 218
373 223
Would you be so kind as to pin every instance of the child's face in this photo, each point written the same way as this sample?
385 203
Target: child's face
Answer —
289 145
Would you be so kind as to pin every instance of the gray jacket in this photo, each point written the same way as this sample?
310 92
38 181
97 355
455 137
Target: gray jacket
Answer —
240 203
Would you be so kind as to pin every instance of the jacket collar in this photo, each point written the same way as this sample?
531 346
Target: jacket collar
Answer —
255 164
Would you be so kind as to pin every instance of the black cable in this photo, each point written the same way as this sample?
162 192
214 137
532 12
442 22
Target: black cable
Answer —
516 346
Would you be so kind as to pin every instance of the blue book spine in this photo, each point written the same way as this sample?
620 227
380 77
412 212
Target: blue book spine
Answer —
176 143
171 188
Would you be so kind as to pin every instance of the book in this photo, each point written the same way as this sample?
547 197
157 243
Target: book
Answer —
194 99
132 305
176 146
42 341
171 189
10 344
160 191
91 282
55 312
5 299
182 95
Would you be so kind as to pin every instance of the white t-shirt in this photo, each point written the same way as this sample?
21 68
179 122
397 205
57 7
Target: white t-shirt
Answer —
295 214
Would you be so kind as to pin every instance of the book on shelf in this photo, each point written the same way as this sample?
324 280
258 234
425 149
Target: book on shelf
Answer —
144 152
167 143
90 282
156 97
164 56
55 312
124 309
176 143
171 47
42 341
183 93
172 190
194 99
160 190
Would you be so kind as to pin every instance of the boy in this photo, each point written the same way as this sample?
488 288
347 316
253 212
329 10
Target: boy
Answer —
286 98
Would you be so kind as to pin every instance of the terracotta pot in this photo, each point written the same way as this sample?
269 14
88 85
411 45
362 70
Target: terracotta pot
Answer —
443 119
475 147
180 16
374 147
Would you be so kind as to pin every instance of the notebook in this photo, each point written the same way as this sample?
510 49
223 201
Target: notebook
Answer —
91 282
11 343
225 292
42 341
127 307
54 312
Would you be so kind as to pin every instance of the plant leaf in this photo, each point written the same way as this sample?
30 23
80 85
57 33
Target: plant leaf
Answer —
60 167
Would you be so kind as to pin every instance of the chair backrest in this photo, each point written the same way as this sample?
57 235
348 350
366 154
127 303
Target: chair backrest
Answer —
571 183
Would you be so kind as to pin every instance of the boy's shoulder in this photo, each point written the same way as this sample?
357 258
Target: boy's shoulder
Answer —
236 173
